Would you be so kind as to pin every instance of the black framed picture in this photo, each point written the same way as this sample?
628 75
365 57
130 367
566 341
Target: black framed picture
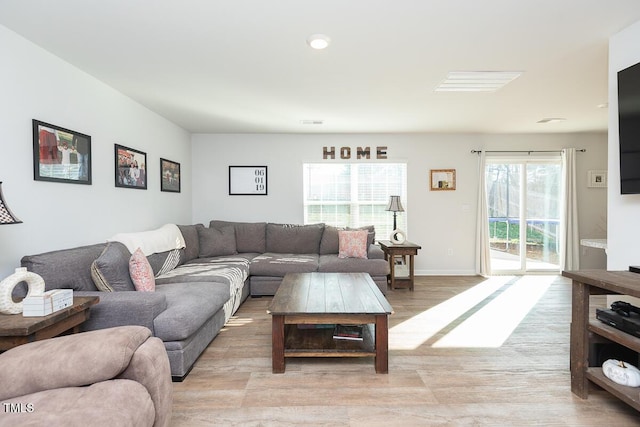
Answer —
169 176
60 155
131 168
247 180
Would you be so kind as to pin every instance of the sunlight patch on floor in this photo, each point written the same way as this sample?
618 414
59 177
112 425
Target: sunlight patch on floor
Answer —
492 325
414 332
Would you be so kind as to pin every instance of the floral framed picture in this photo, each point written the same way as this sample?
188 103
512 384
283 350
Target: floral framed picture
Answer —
443 179
169 176
131 168
60 155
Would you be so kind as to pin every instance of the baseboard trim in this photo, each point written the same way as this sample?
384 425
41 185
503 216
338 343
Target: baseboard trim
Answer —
445 273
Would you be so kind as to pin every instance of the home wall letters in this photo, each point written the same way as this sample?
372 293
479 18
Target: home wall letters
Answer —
360 153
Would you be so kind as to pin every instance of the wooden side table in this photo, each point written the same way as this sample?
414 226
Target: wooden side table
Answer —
390 252
16 329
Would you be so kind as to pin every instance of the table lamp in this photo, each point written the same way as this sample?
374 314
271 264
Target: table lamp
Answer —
6 216
7 305
395 206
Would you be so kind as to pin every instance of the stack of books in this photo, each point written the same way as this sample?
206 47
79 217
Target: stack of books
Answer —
348 332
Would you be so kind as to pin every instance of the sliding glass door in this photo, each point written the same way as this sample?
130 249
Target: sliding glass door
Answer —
523 198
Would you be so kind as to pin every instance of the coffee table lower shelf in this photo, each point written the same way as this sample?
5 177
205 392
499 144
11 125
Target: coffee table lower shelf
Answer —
319 342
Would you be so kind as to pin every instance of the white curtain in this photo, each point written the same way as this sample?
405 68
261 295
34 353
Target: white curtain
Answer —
483 254
569 241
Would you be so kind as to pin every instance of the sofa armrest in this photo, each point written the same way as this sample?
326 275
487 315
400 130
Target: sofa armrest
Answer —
149 366
68 361
123 308
375 252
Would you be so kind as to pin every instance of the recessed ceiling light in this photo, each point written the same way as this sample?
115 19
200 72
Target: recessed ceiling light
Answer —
318 41
605 105
312 122
552 120
476 81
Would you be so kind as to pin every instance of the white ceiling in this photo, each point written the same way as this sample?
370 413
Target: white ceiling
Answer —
225 66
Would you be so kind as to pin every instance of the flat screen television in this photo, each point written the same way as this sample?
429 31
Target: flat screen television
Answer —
629 125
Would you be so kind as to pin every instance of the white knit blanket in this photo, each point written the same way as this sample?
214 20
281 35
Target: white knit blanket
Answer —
165 238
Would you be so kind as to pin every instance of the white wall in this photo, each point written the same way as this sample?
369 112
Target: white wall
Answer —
37 85
624 210
437 220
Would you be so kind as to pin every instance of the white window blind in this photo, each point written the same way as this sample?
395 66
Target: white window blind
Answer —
354 194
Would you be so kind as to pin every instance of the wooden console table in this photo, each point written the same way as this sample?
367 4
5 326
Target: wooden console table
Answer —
390 252
16 329
585 329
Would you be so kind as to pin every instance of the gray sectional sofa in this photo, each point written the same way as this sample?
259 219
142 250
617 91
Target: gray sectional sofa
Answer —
201 285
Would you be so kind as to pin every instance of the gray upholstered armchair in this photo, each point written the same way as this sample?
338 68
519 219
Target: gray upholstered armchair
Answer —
109 377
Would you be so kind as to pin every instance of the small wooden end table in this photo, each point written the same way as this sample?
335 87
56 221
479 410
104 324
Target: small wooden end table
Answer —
15 329
391 251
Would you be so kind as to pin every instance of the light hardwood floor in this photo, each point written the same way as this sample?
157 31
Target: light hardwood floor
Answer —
464 351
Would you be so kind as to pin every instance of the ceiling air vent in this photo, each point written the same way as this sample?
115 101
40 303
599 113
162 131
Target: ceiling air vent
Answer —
476 81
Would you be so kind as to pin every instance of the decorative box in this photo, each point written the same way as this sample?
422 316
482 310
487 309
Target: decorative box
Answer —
47 303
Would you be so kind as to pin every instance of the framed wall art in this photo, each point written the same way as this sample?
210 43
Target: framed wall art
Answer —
597 179
247 180
442 179
169 176
60 155
131 168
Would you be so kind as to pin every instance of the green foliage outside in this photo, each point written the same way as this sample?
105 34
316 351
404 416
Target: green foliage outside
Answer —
498 232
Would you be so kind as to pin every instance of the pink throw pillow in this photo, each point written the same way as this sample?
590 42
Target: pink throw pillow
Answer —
352 244
141 272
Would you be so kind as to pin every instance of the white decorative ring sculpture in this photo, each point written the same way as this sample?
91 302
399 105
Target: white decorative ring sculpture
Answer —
36 287
398 237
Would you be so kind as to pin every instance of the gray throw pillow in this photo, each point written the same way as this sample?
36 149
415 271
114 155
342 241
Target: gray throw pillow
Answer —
164 262
217 241
110 271
190 235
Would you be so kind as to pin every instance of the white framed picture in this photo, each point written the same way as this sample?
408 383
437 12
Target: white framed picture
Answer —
247 180
597 179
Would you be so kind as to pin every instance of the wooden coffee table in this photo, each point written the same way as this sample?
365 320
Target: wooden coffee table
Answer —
325 299
16 329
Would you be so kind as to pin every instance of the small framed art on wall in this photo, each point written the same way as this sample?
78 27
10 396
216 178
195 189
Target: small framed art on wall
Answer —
131 168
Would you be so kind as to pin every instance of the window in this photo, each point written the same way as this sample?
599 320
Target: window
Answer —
354 194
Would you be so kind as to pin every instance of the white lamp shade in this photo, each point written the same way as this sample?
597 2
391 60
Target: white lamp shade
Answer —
394 204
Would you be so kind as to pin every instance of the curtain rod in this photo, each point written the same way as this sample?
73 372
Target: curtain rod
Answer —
581 150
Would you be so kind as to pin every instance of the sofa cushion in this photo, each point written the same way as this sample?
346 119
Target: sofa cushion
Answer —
352 244
66 268
329 241
278 264
110 271
217 241
333 264
141 272
294 239
192 243
189 305
250 236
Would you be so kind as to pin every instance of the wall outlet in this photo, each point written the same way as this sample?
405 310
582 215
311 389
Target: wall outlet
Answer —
450 252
